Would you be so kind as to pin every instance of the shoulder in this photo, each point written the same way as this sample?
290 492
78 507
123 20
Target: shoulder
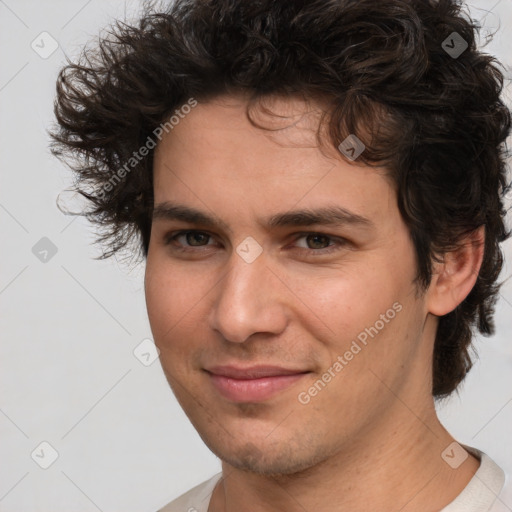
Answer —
503 501
487 491
194 500
494 482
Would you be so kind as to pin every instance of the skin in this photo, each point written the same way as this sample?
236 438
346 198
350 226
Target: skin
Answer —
370 439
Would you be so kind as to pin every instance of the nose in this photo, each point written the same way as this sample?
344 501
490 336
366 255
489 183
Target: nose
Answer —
250 299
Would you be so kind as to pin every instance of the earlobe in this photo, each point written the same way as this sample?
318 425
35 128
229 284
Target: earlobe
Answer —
455 276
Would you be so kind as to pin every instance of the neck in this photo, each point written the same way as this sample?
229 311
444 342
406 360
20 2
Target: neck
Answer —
393 466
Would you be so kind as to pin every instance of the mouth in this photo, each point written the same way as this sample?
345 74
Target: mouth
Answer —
253 384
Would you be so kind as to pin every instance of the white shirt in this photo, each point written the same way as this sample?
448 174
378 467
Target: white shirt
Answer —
488 491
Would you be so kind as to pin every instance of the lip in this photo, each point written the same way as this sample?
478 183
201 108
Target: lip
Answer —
252 384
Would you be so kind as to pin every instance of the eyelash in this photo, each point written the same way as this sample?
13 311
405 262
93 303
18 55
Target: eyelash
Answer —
171 237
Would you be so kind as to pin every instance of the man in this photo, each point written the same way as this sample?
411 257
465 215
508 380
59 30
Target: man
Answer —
317 189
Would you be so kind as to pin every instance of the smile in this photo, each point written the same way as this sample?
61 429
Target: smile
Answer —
252 385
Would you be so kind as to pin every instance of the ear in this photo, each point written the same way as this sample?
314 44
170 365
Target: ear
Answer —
455 276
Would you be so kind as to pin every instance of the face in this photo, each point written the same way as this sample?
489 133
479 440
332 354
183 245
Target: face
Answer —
280 334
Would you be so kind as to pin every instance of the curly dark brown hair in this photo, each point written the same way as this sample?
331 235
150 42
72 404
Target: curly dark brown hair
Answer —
433 119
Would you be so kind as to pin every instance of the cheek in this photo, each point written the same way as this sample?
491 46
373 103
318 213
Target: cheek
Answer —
159 300
177 302
169 301
348 302
371 318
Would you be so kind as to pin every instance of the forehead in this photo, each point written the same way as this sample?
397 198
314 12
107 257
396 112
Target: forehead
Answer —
215 154
268 121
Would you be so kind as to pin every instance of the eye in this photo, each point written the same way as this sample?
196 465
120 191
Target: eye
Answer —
192 238
316 243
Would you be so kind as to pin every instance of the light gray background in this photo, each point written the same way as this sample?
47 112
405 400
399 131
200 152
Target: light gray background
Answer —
69 326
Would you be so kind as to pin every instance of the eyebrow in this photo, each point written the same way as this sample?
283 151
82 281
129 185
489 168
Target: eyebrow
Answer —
326 216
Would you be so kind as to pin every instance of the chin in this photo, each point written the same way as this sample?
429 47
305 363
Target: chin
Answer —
273 460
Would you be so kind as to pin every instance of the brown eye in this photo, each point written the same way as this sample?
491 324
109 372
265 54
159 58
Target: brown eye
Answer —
318 244
184 240
194 238
317 241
